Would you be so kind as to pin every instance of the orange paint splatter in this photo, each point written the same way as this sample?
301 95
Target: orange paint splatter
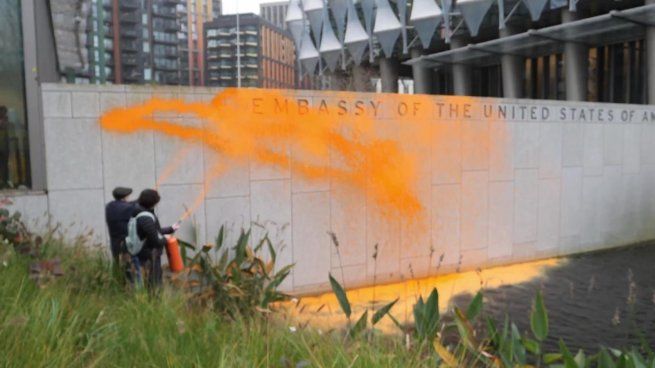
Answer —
379 146
170 168
213 174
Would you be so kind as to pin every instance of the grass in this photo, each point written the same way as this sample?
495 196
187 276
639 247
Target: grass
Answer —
87 319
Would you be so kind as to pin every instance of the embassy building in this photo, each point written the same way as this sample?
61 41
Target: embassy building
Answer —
577 50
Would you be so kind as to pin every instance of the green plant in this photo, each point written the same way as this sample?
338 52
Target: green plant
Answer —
504 347
12 228
426 317
362 322
241 282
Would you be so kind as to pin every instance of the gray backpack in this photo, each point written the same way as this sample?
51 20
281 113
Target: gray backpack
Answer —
132 241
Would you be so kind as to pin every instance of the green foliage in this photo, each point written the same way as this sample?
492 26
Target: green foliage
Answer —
539 318
12 228
241 284
380 313
84 318
342 298
426 317
362 323
57 326
475 307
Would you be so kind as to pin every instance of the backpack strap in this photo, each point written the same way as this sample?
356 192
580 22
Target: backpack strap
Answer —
146 214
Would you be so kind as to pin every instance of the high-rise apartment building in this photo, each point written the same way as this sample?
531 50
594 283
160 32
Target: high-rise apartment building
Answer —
148 41
267 53
160 46
192 15
275 13
114 39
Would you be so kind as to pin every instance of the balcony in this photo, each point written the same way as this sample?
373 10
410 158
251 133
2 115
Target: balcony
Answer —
123 4
130 46
165 38
129 4
130 33
130 18
171 26
130 60
134 76
164 11
165 65
167 55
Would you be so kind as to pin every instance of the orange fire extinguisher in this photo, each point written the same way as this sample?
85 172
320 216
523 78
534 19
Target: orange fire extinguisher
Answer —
173 254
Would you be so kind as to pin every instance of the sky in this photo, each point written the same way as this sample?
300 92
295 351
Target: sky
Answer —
245 6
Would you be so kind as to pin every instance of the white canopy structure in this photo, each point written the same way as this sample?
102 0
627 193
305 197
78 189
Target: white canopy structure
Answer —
339 9
330 46
342 30
536 7
387 27
473 12
356 38
426 17
314 11
308 55
295 21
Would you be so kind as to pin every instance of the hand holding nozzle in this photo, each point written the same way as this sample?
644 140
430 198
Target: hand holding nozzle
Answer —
176 226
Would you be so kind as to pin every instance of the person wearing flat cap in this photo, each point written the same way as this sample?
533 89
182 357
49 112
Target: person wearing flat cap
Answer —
117 214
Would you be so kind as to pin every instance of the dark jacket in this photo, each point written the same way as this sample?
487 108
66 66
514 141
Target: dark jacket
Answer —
117 215
151 231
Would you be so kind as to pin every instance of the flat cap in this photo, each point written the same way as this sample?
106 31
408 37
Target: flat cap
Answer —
121 192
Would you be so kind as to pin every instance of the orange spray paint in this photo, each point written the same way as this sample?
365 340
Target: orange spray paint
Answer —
379 147
213 174
170 168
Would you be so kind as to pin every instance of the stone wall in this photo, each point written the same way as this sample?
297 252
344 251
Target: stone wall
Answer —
567 178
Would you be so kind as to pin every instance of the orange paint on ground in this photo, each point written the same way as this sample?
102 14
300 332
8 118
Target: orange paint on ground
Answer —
378 147
323 311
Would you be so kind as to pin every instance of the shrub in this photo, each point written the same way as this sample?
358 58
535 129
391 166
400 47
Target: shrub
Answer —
241 282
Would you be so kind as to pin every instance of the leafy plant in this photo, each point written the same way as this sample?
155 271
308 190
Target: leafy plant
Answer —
12 227
240 282
503 347
342 298
362 322
539 318
426 316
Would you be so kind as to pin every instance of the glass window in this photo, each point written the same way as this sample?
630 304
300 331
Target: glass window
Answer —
14 151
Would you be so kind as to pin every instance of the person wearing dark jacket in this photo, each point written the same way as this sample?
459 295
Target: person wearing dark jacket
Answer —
149 230
117 214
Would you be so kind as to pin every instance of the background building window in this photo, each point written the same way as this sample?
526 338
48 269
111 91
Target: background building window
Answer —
14 149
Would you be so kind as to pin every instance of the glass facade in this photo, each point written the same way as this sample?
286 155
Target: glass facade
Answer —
14 149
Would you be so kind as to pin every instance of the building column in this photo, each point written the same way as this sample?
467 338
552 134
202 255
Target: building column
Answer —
422 75
512 70
389 75
576 61
361 79
650 59
461 73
